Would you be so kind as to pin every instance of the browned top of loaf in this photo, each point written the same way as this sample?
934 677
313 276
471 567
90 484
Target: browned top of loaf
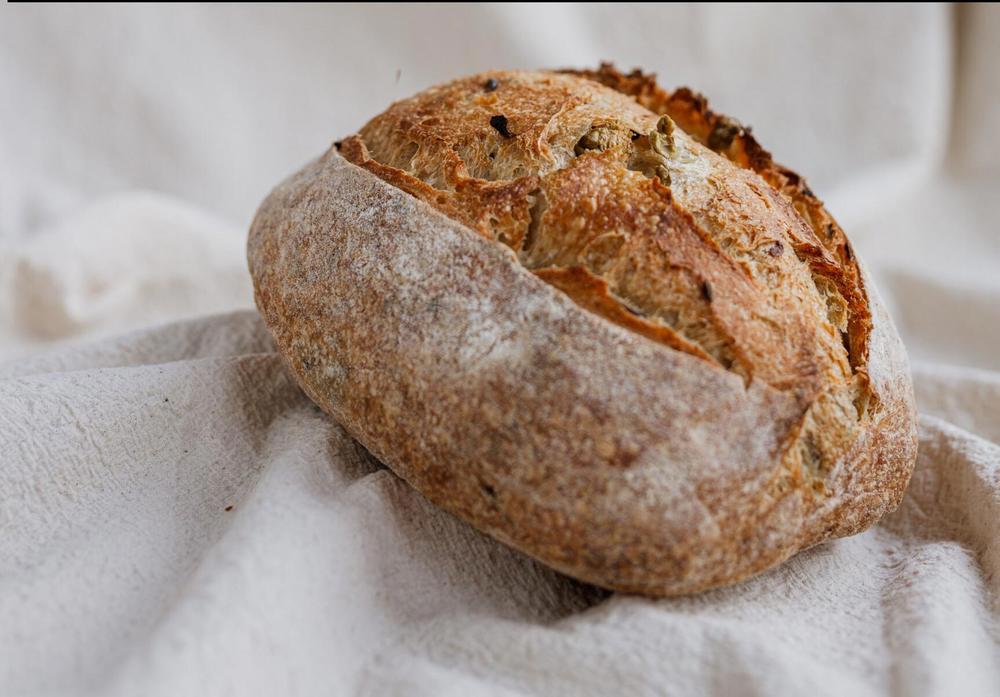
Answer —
651 211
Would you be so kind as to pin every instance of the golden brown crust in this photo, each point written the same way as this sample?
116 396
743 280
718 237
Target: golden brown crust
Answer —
579 176
493 178
730 412
731 139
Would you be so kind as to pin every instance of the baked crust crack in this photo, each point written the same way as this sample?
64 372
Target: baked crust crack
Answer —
613 197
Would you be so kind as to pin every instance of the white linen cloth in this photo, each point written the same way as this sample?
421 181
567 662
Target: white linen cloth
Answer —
176 518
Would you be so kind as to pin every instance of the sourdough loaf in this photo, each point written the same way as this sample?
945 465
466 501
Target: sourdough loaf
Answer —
595 320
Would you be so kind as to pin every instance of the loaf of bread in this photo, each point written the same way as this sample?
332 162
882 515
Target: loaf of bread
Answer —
595 320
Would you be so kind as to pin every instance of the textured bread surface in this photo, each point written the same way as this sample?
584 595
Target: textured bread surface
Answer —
595 320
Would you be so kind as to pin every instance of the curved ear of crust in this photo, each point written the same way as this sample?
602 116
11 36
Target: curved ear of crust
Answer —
828 252
875 350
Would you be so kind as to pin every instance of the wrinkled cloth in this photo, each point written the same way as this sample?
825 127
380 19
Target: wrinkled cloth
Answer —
176 517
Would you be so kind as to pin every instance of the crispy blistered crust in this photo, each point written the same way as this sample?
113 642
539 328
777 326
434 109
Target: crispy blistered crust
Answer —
499 354
734 141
